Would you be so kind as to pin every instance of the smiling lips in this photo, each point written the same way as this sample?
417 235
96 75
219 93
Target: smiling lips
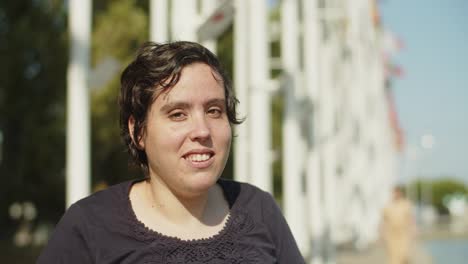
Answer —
200 159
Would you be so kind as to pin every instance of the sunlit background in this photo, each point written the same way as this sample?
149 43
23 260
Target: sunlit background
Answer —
422 49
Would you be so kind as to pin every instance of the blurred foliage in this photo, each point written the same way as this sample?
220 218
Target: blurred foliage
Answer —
32 105
277 105
13 254
120 27
437 190
224 48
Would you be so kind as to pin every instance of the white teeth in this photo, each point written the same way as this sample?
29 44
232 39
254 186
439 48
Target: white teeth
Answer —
198 157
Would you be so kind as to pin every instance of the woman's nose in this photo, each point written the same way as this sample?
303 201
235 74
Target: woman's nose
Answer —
200 129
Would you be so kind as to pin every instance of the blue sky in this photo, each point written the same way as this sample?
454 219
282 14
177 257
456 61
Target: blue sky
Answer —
432 96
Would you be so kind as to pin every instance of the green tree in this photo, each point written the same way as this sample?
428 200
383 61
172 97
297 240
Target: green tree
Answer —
120 28
444 187
277 110
438 189
33 48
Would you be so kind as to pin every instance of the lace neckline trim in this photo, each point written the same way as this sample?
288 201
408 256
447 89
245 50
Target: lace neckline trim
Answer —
144 233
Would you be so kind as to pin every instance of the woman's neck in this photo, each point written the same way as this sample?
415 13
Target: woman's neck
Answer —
187 218
178 208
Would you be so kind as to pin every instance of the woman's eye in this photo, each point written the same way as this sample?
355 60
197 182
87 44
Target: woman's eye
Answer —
214 112
177 116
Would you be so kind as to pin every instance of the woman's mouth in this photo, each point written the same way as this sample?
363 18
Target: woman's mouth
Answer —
199 160
198 157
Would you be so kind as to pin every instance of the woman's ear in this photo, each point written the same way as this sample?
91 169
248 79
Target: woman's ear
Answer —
131 126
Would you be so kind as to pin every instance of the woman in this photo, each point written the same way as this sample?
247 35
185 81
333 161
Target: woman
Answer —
398 227
177 110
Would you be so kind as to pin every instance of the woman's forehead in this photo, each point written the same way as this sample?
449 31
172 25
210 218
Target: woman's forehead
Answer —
197 78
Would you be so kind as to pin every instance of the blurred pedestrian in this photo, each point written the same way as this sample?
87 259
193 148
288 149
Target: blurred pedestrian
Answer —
398 227
177 111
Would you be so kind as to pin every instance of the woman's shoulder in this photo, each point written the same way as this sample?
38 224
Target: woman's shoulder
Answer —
112 192
108 201
236 188
246 196
86 222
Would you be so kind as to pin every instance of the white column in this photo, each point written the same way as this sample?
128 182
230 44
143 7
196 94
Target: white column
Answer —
311 77
159 20
359 159
315 208
292 170
185 20
326 120
260 105
78 120
207 8
241 79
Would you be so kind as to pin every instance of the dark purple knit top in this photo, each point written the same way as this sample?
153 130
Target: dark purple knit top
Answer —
103 228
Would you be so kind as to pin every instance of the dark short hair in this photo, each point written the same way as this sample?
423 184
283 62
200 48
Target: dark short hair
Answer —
155 67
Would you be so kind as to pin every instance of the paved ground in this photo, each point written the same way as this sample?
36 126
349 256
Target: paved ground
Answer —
376 255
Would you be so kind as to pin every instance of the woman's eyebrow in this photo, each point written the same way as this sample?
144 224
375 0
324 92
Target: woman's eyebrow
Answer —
172 105
184 105
215 101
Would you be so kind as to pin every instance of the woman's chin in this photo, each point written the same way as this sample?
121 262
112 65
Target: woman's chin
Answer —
201 184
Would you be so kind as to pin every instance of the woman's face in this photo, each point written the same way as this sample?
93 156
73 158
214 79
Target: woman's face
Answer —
188 135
